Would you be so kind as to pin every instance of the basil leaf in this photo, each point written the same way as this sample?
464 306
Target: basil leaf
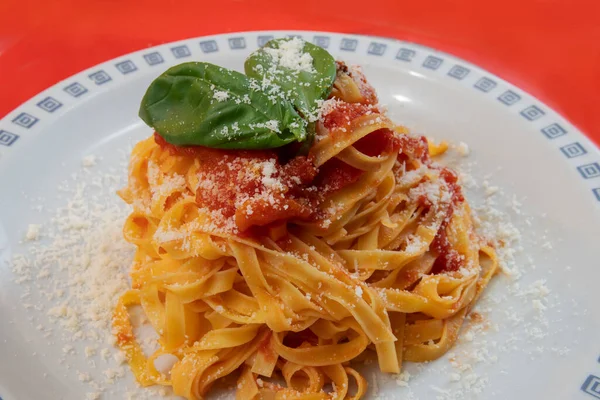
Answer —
284 67
203 104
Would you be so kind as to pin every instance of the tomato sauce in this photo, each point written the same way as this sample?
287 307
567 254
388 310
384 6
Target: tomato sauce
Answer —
335 175
232 178
414 147
302 185
210 155
124 337
343 113
264 347
448 258
367 91
263 212
379 142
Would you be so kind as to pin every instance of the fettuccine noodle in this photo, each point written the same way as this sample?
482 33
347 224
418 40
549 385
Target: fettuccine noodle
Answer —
289 287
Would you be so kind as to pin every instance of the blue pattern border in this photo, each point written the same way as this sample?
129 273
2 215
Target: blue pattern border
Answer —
7 138
549 124
591 386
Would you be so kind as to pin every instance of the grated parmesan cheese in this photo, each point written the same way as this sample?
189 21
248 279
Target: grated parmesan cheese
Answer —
75 276
463 149
220 95
89 161
290 54
93 396
33 232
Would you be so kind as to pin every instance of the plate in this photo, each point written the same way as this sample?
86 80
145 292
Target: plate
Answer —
533 180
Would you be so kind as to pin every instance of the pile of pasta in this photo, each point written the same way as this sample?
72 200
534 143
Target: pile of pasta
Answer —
390 267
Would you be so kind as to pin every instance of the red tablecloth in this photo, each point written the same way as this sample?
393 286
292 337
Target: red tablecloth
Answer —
549 48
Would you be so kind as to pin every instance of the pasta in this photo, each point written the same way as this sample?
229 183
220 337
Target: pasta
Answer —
285 269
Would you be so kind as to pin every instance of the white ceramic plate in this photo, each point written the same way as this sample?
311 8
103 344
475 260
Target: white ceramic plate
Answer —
540 338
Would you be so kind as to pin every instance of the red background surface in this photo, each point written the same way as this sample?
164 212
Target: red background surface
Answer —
550 48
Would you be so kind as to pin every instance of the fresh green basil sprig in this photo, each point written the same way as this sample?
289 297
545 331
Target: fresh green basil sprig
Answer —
198 103
303 87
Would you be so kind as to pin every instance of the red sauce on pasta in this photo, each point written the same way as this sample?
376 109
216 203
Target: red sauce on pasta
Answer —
379 142
448 258
234 181
265 348
414 147
292 190
335 175
343 113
